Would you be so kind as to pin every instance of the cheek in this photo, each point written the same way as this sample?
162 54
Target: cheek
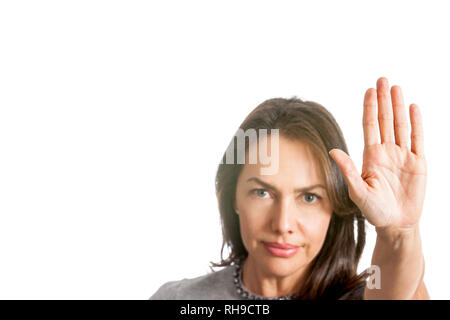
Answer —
250 227
316 232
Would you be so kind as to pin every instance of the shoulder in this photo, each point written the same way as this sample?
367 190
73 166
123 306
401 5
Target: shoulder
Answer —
216 285
356 294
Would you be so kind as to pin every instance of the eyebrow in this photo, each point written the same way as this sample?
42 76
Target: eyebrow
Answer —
268 186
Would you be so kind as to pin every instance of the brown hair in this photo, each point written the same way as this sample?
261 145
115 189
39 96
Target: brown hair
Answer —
333 272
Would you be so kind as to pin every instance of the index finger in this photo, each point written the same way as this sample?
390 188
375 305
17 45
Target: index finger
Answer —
370 121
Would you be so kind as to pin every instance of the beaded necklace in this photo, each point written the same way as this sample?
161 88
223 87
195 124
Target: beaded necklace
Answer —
244 293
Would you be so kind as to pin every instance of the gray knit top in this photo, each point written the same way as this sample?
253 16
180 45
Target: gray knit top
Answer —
218 285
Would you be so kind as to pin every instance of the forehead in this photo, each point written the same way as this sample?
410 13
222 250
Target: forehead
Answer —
297 165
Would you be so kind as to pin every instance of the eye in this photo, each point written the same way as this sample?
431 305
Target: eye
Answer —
260 193
311 196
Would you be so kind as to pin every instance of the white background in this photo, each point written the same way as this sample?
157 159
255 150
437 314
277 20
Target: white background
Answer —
114 116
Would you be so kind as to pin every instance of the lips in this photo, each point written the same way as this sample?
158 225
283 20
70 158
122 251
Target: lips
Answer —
284 250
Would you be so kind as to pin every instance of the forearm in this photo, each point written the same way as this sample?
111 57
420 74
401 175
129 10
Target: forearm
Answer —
400 258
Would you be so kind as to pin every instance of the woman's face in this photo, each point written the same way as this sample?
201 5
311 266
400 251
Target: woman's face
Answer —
273 210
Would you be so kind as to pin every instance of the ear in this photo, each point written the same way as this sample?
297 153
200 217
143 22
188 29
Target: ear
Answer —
235 206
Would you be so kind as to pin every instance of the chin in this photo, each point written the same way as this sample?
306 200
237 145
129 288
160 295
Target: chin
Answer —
282 267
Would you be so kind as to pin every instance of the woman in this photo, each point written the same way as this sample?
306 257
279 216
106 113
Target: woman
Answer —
291 232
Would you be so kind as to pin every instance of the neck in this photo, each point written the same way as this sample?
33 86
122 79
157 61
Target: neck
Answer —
261 283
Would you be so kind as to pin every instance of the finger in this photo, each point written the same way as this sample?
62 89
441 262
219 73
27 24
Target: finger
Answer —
356 185
370 124
385 115
400 121
417 139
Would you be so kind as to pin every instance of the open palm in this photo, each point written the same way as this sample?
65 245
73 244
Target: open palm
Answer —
391 188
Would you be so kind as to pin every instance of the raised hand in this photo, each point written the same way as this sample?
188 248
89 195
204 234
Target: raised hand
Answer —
391 188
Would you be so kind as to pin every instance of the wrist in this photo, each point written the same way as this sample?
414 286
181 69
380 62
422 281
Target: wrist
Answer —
397 234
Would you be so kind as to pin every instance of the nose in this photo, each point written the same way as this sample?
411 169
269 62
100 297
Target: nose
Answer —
284 217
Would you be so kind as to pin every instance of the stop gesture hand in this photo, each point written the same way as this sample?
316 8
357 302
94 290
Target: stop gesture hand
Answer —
390 191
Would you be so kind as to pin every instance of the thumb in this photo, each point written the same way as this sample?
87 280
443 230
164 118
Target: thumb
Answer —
356 184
